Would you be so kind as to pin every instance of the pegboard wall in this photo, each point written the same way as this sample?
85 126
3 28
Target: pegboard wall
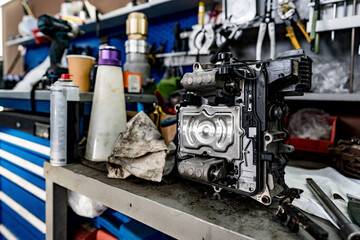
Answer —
160 31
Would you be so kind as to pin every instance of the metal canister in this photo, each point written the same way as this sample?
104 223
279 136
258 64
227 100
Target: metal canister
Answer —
64 104
137 26
137 50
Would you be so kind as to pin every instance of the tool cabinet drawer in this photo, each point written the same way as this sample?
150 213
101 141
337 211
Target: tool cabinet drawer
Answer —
22 185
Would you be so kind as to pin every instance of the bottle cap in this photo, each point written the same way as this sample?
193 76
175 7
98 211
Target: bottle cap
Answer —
65 76
110 56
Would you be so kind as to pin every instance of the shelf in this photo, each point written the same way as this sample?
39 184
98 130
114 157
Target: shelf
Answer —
182 209
21 100
27 40
329 97
154 8
44 95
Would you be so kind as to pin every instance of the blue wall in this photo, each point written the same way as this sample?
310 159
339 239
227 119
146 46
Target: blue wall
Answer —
160 32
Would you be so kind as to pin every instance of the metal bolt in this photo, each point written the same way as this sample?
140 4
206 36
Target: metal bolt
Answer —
198 172
190 80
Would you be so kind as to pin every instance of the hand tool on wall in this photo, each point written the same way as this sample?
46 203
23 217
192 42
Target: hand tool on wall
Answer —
177 40
61 32
268 21
287 12
345 8
314 36
215 11
334 16
202 39
201 13
348 230
352 51
27 8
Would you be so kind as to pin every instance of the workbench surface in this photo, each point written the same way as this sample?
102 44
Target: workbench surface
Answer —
183 209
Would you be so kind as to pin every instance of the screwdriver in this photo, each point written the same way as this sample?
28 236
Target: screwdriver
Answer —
201 12
314 36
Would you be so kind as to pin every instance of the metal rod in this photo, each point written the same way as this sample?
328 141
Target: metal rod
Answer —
345 8
352 51
348 230
334 16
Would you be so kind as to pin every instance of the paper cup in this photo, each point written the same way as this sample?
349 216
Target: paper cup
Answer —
79 68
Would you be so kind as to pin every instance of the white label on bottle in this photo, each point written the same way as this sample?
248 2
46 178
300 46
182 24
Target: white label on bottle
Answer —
134 83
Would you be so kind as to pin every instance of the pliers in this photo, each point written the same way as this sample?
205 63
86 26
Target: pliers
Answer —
287 12
268 20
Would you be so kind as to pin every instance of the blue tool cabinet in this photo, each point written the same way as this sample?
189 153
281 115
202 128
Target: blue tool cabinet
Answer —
22 186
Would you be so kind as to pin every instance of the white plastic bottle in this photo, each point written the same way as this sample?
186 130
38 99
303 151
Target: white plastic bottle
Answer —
108 114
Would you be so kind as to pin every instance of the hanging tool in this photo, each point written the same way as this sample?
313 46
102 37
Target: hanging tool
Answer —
202 39
177 39
314 36
27 8
345 8
348 230
201 13
334 16
268 20
287 12
215 12
352 51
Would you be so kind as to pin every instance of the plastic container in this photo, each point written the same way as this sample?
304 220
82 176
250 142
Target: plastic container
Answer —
311 145
108 114
79 69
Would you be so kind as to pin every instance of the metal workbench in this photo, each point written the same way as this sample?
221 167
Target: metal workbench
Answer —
183 209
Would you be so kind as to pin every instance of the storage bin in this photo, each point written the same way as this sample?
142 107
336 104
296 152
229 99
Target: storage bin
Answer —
312 145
